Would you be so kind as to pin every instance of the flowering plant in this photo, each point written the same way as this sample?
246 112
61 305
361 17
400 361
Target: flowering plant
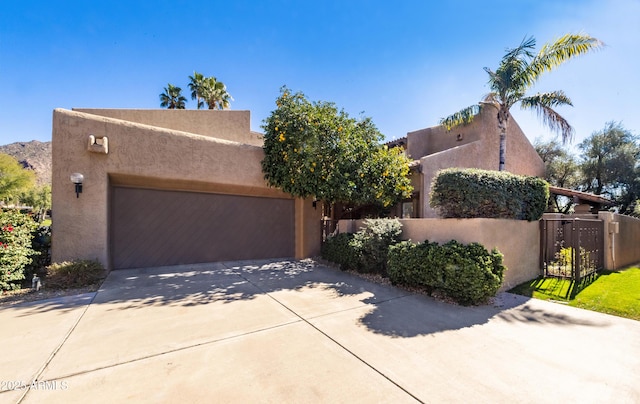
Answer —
16 234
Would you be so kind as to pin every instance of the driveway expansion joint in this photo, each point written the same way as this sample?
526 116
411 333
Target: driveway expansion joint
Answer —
344 348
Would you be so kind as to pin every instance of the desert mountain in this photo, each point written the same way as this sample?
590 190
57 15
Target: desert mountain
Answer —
34 155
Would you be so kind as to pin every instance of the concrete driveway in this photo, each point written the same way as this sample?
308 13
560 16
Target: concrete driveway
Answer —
297 331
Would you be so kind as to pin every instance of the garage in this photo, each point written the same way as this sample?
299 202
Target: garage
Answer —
151 227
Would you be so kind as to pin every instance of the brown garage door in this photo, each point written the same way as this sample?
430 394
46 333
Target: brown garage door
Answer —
157 228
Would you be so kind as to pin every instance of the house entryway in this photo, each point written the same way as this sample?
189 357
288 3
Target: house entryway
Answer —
151 227
571 247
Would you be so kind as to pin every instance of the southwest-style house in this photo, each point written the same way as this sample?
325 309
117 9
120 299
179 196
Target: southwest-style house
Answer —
475 145
170 187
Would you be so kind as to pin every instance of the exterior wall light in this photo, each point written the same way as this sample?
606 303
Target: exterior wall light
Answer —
77 179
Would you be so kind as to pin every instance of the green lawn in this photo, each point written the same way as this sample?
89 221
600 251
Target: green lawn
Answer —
616 293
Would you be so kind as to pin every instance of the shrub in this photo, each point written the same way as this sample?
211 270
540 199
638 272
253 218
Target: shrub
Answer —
471 274
372 243
16 252
468 274
74 274
339 249
41 244
410 264
473 193
367 250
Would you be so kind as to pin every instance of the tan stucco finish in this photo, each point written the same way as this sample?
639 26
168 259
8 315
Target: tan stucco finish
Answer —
228 125
521 253
476 145
150 156
621 240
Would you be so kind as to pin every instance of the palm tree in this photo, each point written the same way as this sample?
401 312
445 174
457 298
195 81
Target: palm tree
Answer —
215 93
195 85
518 71
172 97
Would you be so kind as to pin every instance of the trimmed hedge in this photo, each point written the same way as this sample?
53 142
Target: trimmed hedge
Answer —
469 274
474 193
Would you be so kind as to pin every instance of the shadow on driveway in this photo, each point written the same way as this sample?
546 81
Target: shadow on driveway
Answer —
392 311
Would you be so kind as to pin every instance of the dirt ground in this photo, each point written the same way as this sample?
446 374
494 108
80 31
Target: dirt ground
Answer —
26 295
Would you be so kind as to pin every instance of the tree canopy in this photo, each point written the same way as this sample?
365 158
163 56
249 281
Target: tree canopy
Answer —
39 199
312 149
519 69
209 91
561 168
172 97
196 83
14 179
608 165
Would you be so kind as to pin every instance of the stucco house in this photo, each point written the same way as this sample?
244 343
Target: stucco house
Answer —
475 145
169 187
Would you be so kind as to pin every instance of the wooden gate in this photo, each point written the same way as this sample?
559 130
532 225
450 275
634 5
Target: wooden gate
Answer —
571 247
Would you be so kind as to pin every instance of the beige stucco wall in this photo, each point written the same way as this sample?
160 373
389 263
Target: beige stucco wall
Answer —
226 124
436 148
466 156
432 140
150 156
308 231
622 240
521 253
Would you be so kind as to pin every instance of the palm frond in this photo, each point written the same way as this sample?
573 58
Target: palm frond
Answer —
508 81
524 50
172 97
554 54
543 104
550 99
462 117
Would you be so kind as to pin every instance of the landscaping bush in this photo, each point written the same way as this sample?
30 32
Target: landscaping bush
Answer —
372 244
411 264
471 274
74 274
338 249
473 193
16 252
365 251
468 274
41 244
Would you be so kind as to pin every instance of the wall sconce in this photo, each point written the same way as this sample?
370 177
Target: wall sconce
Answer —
77 179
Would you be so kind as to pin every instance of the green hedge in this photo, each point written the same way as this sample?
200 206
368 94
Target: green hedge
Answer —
366 251
468 274
473 193
338 249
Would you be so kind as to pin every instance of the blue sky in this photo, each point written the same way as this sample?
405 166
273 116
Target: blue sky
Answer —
404 64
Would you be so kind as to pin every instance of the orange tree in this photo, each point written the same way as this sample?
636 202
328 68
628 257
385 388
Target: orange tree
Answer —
312 149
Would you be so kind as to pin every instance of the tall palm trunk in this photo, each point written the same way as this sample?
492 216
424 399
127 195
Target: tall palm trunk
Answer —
503 118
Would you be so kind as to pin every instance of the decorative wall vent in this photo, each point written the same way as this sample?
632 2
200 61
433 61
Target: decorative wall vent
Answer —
98 144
